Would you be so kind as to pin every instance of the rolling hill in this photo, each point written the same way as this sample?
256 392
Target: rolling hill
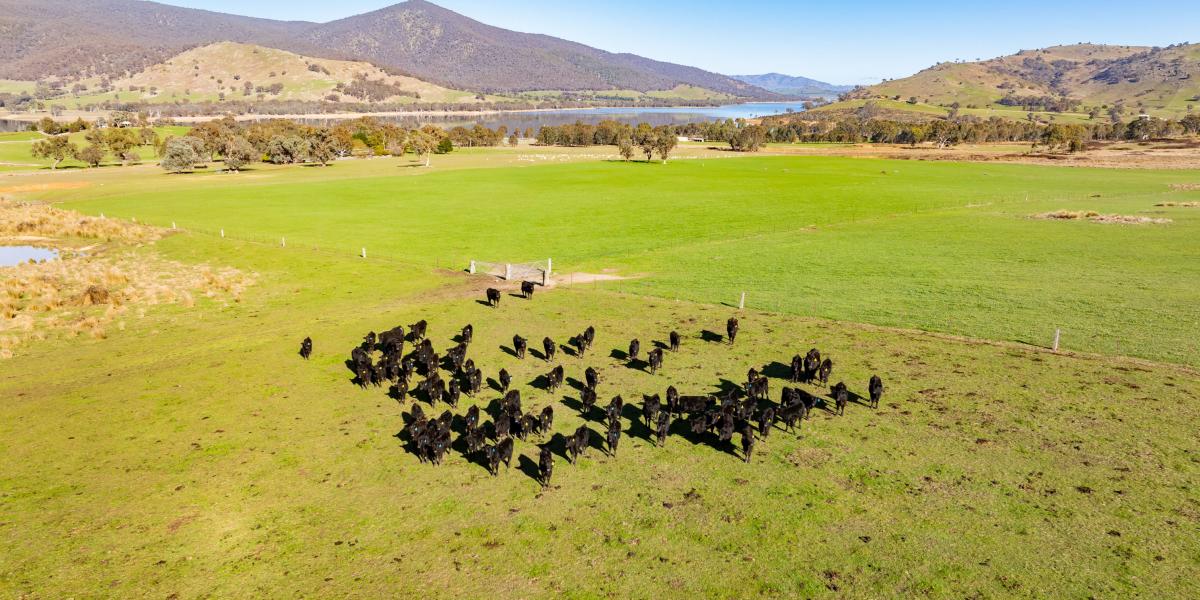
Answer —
229 70
68 39
792 85
1159 81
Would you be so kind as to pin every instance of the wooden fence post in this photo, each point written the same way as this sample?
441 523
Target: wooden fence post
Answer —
742 304
507 271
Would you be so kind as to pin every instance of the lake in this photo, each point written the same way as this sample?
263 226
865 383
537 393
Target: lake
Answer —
11 256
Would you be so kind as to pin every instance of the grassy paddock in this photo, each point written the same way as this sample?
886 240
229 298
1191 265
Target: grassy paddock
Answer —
193 453
897 243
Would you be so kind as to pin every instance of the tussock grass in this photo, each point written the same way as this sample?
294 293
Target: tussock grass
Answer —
23 219
81 294
1095 217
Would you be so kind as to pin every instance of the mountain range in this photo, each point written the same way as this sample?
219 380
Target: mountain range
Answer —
75 40
790 85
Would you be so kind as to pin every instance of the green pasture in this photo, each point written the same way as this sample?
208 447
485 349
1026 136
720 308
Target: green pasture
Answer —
924 245
192 453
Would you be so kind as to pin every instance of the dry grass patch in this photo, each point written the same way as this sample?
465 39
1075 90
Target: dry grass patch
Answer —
1179 204
23 219
1185 187
1095 217
84 295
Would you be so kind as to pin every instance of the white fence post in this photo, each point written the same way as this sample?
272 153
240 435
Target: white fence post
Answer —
549 267
507 271
283 242
472 268
1057 335
742 304
222 233
173 225
364 252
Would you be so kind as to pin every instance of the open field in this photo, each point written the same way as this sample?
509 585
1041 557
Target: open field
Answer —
194 454
930 249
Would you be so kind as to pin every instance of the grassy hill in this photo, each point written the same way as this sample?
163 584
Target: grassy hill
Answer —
205 73
1158 81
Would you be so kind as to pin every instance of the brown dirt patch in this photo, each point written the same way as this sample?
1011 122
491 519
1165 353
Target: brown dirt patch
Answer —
1095 217
44 187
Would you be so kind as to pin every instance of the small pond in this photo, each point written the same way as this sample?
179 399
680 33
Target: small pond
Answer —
11 256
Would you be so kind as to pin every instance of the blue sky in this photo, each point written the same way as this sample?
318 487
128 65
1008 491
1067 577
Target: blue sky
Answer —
851 42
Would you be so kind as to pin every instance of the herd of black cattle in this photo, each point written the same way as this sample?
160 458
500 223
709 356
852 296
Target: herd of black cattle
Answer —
743 409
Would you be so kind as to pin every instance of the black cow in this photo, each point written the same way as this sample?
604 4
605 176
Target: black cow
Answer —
472 418
876 390
589 335
591 377
520 345
505 448
474 382
474 439
453 394
765 419
555 378
663 427
418 330
731 329
545 466
676 341
797 369
549 347
790 415
672 399
512 403
826 369
400 390
840 396
578 444
492 453
635 348
812 362
614 437
546 420
505 380
440 445
588 399
527 289
369 341
655 358
747 442
468 334
503 426
493 297
699 423
306 348
651 405
694 404
528 423
727 426
614 410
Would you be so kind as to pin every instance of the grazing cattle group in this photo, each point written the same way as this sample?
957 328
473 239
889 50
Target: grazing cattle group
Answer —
745 410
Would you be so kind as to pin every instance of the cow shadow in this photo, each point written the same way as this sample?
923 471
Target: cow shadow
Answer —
538 354
617 354
558 446
711 336
575 384
541 382
729 389
494 385
577 406
509 351
777 370
638 364
569 350
662 345
529 467
485 303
